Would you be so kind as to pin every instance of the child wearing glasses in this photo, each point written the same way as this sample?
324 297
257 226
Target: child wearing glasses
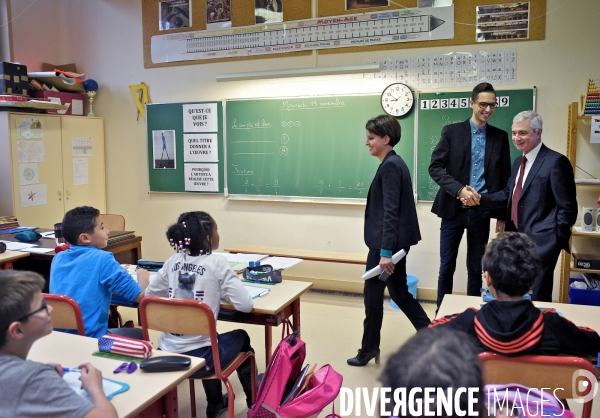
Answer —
28 388
195 273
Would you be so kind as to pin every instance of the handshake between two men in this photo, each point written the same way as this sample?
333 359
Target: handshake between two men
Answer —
470 198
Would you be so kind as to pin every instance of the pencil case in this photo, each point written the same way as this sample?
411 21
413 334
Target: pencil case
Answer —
262 274
125 346
165 364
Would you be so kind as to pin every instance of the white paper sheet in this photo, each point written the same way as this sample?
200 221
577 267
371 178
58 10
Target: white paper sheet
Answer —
33 195
82 147
280 263
201 177
38 250
28 174
30 151
200 148
18 246
595 130
201 117
80 171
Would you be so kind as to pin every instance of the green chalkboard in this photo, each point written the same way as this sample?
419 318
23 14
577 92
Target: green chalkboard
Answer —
170 134
311 147
439 109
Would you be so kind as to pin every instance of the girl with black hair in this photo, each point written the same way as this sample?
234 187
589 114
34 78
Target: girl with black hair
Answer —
195 273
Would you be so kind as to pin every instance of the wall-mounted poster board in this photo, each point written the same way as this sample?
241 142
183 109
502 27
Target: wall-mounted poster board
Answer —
437 110
185 147
307 147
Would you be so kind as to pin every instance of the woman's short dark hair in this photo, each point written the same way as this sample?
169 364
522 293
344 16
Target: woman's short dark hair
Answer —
383 125
512 262
436 358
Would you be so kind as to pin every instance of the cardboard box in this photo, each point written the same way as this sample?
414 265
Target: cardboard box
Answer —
73 100
13 79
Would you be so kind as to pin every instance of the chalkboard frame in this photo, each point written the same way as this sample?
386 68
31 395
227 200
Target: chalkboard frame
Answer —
408 155
169 117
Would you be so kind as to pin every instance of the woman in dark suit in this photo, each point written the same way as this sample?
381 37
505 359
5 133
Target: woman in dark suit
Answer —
391 224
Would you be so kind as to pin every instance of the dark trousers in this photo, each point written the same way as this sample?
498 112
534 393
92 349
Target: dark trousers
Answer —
230 345
542 287
477 224
373 293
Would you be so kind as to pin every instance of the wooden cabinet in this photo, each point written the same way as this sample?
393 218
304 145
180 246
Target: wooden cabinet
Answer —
63 159
585 165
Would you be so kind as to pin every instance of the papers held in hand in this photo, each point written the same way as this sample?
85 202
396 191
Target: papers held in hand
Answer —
376 271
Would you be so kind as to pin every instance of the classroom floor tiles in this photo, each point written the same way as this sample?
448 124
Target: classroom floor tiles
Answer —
331 327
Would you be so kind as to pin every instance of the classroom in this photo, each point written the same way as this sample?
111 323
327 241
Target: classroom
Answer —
107 40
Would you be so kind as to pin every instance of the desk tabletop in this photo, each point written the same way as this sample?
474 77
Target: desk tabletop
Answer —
280 296
71 350
330 256
51 243
12 255
582 315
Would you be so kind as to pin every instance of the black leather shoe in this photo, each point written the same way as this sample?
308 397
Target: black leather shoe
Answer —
214 411
363 357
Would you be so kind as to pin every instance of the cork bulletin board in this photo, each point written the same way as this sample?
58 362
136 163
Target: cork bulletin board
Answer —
242 14
464 12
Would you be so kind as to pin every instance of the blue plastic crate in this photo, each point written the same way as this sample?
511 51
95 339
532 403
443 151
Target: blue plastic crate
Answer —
583 296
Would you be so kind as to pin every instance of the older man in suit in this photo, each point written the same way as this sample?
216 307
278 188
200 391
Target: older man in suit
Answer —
471 160
541 196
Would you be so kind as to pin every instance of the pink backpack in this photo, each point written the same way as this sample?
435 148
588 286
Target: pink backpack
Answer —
281 374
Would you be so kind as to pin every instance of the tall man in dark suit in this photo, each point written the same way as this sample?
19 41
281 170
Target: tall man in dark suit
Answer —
471 160
542 201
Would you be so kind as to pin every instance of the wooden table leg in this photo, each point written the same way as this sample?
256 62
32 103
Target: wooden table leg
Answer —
296 314
268 341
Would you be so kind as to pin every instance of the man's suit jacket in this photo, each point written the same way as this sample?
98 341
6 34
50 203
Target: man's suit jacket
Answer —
547 208
450 167
390 216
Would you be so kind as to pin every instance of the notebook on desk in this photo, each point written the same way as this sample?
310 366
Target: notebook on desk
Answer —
109 386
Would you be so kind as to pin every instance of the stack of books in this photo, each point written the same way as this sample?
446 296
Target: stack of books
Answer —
8 222
120 236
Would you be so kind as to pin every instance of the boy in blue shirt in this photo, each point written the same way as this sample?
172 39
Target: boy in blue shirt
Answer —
90 275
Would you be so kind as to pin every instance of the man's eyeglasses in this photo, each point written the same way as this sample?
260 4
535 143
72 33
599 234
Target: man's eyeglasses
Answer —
43 308
483 105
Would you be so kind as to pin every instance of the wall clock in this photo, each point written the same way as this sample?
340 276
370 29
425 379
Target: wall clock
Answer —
397 99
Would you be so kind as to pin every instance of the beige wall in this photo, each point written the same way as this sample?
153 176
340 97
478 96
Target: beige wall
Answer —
105 39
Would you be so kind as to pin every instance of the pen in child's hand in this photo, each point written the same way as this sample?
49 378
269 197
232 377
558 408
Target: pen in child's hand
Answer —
71 369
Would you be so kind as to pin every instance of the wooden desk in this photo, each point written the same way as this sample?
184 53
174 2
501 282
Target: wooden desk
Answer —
330 256
147 390
7 258
582 315
127 251
282 302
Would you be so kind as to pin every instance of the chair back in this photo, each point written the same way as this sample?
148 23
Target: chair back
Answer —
113 222
537 371
66 313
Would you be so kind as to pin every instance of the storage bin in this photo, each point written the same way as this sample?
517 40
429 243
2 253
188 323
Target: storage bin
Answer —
583 296
412 282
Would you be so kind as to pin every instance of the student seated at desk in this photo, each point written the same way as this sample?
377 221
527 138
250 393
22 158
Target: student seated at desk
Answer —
28 388
90 275
195 273
511 325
